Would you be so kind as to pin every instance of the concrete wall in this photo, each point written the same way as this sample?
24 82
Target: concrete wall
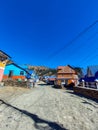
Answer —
90 93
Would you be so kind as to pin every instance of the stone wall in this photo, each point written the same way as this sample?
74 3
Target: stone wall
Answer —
15 83
88 92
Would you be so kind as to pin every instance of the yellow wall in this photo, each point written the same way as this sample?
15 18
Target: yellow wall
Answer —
2 64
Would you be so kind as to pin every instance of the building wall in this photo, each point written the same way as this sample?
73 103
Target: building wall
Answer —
2 64
64 75
14 77
1 74
16 72
67 74
67 82
2 67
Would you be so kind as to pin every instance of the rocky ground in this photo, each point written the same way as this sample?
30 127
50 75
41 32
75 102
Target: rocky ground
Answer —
46 108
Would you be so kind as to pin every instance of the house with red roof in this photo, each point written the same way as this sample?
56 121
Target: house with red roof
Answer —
66 75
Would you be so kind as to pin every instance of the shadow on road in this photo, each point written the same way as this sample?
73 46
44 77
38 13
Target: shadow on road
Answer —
37 120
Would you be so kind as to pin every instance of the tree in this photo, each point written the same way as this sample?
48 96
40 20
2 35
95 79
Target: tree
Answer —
78 70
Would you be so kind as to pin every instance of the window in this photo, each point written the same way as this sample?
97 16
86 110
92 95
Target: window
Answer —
21 72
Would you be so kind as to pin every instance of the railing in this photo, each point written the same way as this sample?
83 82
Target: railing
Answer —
93 85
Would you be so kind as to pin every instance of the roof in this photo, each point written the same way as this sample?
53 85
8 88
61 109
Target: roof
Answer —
67 78
93 69
60 67
88 79
66 69
2 53
51 79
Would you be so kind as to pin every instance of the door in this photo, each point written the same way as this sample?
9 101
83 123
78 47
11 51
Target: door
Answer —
10 74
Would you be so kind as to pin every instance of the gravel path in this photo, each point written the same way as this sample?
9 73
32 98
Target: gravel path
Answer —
46 108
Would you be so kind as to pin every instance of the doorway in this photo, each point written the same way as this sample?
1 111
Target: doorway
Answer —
10 74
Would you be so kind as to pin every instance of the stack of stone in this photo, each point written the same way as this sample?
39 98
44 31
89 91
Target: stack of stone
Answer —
15 83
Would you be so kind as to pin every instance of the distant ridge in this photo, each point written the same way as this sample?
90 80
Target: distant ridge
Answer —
42 70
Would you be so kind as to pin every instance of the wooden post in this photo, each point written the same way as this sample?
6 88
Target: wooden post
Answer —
83 83
96 82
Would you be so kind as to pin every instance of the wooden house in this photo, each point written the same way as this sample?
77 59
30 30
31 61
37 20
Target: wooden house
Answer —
66 75
4 58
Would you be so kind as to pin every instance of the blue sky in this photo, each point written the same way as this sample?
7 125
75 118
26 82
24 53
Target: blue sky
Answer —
31 31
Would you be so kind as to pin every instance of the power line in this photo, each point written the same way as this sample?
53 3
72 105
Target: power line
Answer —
89 57
73 40
80 45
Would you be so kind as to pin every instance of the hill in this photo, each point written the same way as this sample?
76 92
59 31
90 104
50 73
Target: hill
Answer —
42 70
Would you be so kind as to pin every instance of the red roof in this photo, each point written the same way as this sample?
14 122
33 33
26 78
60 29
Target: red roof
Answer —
66 69
60 67
51 79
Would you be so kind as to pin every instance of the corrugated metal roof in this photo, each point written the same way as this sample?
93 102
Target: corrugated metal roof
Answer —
2 53
93 69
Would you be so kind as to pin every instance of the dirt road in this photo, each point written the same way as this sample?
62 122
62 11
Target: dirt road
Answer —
46 108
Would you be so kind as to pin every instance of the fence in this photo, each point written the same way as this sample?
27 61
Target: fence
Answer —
93 85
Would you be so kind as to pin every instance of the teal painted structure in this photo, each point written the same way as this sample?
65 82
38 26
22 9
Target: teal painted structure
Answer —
17 70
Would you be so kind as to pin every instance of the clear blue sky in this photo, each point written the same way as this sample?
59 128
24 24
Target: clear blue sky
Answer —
32 30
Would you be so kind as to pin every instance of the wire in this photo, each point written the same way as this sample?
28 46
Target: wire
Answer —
73 40
89 57
79 47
